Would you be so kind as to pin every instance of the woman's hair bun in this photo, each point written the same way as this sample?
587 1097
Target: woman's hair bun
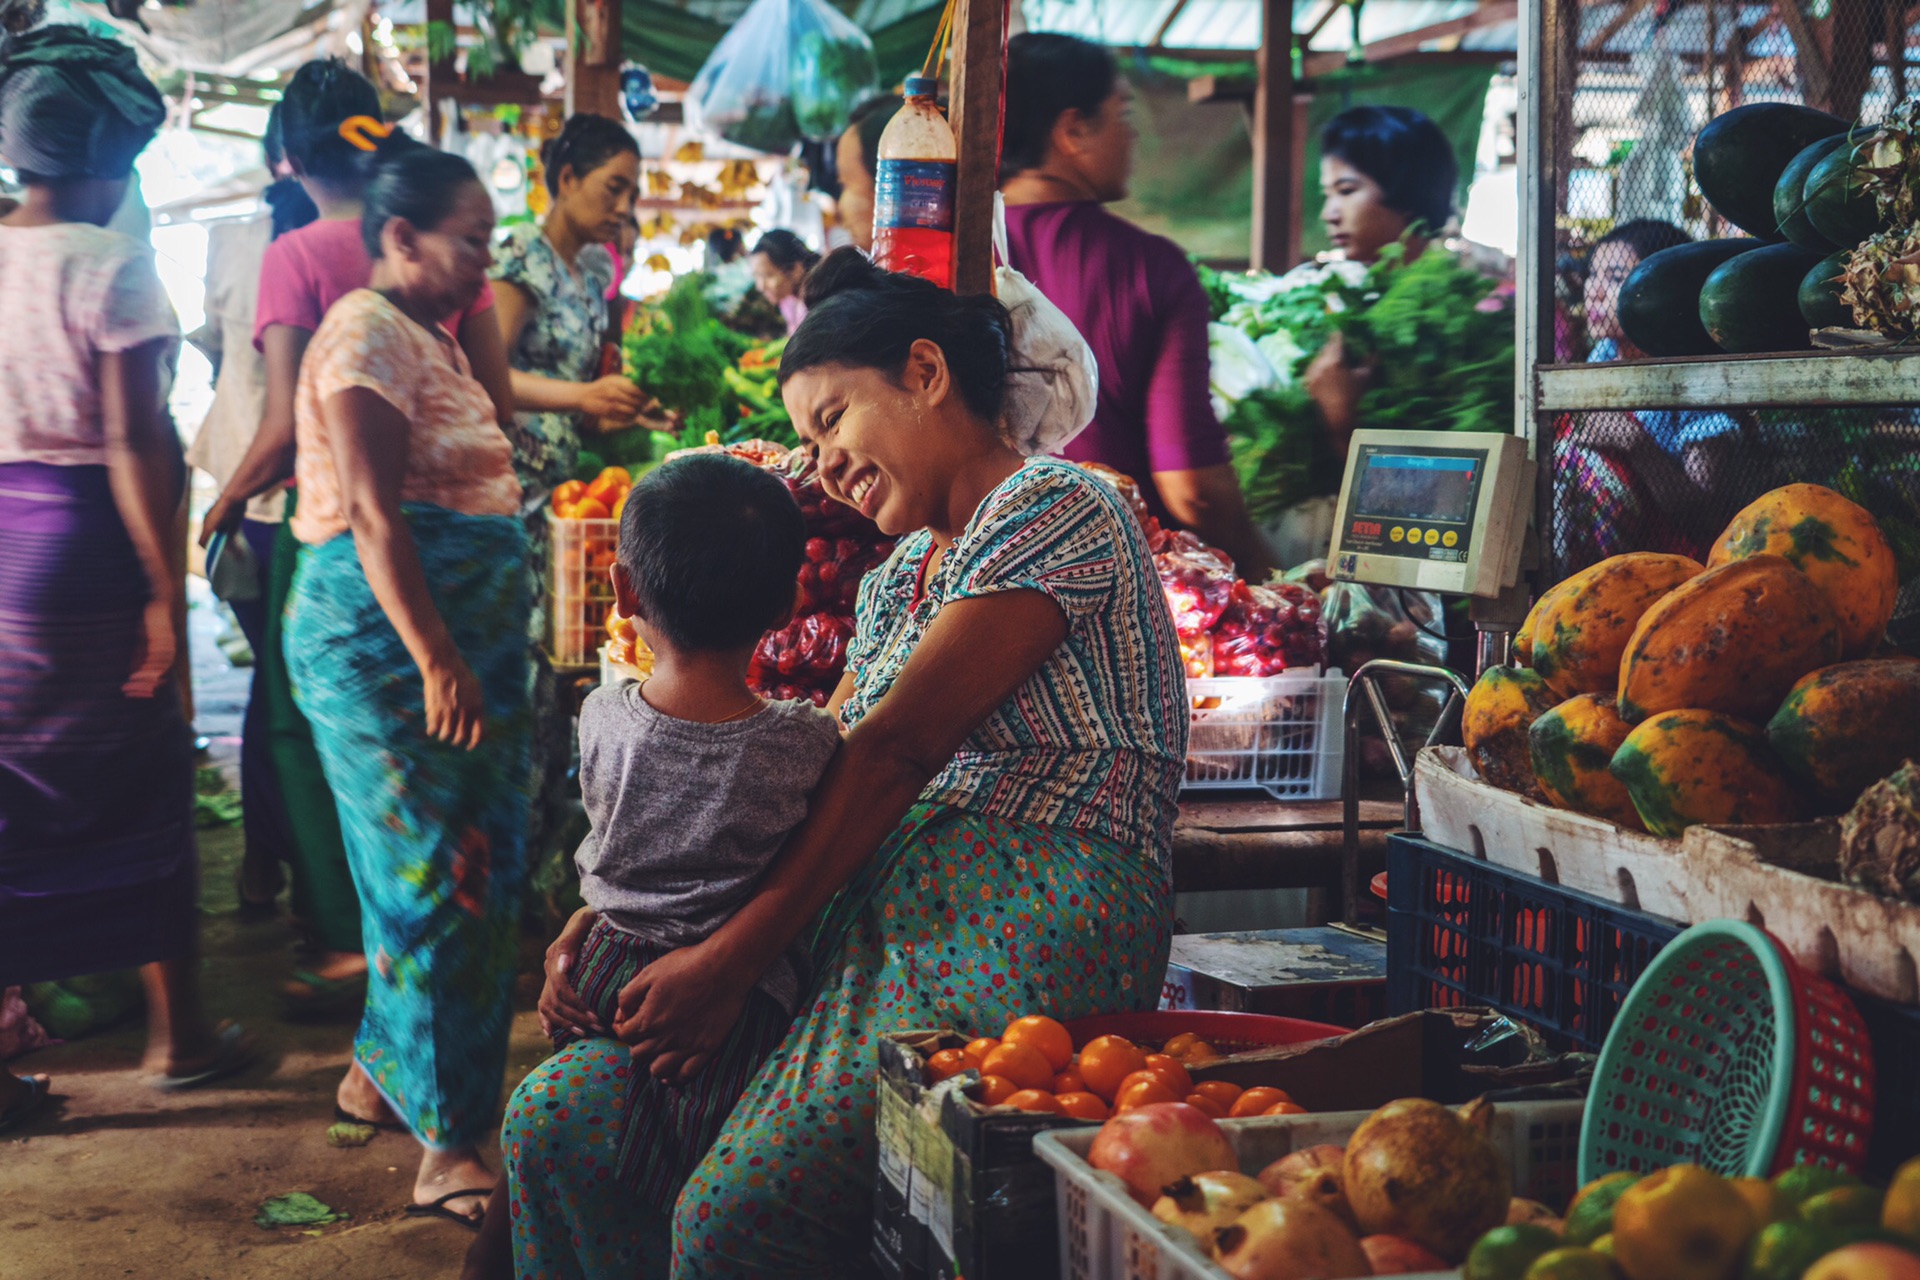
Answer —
843 269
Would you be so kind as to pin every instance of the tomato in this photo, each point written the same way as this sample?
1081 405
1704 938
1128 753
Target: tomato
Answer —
1170 1073
1224 1092
620 503
995 1090
1035 1100
1081 1105
947 1062
1107 1060
1287 1108
1256 1100
615 475
1140 1089
1069 1081
1201 1102
586 509
979 1049
1022 1064
1044 1034
566 494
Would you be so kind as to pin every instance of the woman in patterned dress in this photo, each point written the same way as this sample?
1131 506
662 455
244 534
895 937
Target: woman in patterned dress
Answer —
993 839
407 655
550 285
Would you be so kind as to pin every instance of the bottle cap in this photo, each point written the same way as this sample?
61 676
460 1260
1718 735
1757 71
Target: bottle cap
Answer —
923 86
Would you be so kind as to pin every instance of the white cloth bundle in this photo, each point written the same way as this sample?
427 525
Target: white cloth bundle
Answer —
1053 378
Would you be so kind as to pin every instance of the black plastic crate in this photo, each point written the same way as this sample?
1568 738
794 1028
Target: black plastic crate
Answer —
1461 931
1894 1032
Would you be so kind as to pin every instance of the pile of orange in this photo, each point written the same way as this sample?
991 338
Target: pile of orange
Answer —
602 498
1033 1066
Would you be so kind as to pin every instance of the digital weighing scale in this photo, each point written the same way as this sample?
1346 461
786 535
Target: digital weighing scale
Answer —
1438 511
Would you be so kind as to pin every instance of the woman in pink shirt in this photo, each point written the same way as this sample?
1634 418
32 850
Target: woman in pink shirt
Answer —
303 274
780 263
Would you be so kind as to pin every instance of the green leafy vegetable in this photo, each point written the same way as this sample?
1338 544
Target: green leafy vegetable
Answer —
688 361
296 1209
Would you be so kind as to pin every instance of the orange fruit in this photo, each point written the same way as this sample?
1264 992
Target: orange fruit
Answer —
567 493
1044 1034
620 503
616 475
1201 1102
995 1090
1035 1100
1224 1092
947 1062
586 509
979 1049
1023 1064
1170 1073
1180 1045
1139 1090
1081 1105
1256 1100
1107 1060
1287 1108
1069 1081
1198 1052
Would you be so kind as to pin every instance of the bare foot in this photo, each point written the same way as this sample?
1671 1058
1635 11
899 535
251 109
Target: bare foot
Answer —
461 1169
358 1097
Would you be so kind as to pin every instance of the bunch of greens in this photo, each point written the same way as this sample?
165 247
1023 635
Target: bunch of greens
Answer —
831 76
1439 347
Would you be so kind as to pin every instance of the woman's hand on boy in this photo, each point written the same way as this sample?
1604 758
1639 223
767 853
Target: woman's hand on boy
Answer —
561 1008
678 1011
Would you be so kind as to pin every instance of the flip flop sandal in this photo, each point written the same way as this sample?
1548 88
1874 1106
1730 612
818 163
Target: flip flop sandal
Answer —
343 1116
324 997
234 1054
38 1090
438 1209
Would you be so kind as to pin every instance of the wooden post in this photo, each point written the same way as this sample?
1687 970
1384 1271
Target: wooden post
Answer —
979 37
441 75
1273 141
594 35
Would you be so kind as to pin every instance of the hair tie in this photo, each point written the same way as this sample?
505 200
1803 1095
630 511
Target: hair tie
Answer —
364 132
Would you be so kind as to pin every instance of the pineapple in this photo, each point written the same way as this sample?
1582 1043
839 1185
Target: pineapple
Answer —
1891 154
1880 838
1882 283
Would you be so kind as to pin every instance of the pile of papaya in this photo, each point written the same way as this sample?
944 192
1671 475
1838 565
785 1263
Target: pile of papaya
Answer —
1824 219
1656 693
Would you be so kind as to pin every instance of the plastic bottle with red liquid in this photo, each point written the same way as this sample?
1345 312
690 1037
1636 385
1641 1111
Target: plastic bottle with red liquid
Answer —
914 182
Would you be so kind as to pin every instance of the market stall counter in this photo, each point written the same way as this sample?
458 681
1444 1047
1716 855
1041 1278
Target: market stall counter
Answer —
1231 842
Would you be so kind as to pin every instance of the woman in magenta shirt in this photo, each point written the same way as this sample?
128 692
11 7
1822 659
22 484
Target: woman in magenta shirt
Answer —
1133 296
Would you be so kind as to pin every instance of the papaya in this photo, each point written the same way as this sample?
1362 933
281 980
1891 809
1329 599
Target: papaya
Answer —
1732 640
1832 540
1691 766
1659 305
1789 195
1581 627
1751 303
1740 154
1820 304
1573 746
1500 709
1520 650
1845 727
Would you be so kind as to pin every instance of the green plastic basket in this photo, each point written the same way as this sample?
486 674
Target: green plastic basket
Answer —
1728 1055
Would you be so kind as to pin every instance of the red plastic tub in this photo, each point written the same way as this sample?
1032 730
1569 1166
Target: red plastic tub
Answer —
1227 1032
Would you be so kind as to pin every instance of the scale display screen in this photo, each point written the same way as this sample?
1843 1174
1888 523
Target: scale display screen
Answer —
1413 503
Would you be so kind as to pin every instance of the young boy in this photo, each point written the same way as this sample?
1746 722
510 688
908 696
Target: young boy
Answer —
691 782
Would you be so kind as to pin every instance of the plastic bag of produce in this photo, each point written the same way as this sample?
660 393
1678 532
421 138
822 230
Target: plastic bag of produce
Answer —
1367 622
1199 584
809 650
1266 630
787 70
1054 378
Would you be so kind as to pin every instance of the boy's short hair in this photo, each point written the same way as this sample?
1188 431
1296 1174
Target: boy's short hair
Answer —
712 546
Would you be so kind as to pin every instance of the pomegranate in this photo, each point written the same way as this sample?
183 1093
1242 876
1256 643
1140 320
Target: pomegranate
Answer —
1158 1144
1867 1262
1428 1174
1312 1173
1206 1202
1392 1256
1289 1240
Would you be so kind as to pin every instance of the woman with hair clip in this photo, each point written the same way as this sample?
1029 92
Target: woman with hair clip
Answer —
98 866
1016 729
329 125
405 639
551 283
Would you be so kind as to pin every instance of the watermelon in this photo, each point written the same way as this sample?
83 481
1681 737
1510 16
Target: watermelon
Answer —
1752 302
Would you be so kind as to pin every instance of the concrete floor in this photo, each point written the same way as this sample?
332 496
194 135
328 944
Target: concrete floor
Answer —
119 1180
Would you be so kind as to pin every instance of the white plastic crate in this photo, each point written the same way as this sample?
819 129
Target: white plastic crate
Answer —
1106 1235
580 594
1283 734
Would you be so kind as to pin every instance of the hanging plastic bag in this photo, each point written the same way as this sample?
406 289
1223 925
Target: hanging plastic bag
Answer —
1050 394
787 70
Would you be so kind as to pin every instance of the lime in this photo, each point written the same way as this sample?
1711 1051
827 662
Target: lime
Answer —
1805 1181
1784 1250
1505 1253
1854 1206
1572 1263
1591 1215
1604 1245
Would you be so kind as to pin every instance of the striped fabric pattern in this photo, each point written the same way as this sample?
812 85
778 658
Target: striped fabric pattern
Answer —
667 1129
1096 740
